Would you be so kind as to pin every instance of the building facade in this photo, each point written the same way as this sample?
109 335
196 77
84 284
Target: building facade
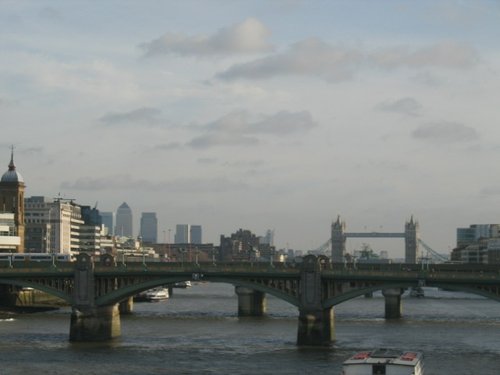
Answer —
9 240
61 226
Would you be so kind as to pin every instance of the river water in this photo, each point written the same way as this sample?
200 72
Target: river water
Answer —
197 331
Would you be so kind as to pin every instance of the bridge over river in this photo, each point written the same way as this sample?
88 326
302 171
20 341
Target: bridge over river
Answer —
99 291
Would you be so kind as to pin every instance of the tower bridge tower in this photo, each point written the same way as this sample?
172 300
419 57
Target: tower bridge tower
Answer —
338 240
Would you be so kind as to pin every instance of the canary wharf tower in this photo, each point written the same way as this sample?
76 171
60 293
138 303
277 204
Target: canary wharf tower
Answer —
124 221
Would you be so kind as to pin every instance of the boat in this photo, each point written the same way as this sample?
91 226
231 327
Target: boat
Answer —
417 292
384 362
157 294
183 284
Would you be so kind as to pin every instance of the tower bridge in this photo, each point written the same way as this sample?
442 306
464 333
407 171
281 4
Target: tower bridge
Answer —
411 236
98 291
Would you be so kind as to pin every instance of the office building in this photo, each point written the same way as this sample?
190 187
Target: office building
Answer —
124 226
182 233
195 234
108 220
149 227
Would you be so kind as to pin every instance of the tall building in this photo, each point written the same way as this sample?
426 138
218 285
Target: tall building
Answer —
149 227
182 234
196 234
12 199
124 221
108 220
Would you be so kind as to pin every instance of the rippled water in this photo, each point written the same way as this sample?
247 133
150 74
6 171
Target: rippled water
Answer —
197 332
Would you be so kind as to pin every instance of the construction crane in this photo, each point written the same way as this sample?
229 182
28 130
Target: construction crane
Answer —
433 254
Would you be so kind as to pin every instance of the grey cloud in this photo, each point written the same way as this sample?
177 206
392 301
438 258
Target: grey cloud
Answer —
169 146
127 182
249 36
141 116
313 57
50 14
222 139
490 191
406 106
308 57
446 132
238 128
446 55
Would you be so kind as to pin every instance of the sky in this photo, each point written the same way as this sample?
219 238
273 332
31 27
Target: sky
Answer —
260 114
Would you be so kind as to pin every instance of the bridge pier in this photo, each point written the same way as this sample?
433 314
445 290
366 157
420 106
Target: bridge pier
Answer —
392 303
126 306
316 328
95 323
250 302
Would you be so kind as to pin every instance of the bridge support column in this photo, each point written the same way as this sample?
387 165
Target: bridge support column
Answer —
316 328
126 306
392 303
95 323
250 302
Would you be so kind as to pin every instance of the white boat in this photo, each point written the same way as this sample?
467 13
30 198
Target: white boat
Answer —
384 362
157 294
183 284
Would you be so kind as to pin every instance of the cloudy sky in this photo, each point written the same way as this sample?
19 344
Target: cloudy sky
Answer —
260 114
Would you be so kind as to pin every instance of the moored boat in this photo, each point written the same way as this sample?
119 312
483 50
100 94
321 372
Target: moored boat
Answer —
384 362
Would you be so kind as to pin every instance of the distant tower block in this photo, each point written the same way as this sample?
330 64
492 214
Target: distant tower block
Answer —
338 241
411 241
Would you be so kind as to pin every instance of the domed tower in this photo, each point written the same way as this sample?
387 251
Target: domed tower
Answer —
12 197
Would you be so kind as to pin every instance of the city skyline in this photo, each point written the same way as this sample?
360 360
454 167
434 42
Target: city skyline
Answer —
258 115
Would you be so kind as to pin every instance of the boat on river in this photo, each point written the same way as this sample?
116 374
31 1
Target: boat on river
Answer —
156 294
384 362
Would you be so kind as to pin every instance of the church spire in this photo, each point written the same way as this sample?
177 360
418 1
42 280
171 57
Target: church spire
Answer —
12 166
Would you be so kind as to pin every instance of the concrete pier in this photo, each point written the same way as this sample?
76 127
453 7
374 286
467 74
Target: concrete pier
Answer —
250 302
95 324
126 306
392 303
316 328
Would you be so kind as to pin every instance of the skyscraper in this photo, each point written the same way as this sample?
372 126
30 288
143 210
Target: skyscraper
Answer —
149 227
182 233
124 221
195 232
108 220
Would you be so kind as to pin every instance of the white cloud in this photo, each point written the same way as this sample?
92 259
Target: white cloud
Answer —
249 36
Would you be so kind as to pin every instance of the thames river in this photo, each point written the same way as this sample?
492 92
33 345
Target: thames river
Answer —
198 332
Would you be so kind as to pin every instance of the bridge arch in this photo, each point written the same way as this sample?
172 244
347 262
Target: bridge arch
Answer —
333 301
125 292
40 287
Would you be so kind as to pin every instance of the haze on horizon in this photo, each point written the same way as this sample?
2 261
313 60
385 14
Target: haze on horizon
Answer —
259 114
